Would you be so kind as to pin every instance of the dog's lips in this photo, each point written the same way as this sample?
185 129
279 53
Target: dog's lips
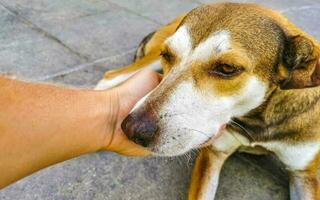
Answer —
214 137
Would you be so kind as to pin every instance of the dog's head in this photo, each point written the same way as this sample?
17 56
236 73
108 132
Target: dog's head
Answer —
222 61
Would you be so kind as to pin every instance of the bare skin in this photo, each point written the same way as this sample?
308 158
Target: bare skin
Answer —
41 125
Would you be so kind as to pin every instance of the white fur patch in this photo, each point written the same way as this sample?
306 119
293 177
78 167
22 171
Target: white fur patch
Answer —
181 42
251 96
110 83
210 191
216 44
296 156
189 118
155 66
228 142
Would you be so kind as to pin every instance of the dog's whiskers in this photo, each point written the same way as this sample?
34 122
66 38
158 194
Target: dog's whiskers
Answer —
189 157
244 129
166 115
203 133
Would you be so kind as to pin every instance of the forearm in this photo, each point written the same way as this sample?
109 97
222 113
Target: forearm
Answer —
41 125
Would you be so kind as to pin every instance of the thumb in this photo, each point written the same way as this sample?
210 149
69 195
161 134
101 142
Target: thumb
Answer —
139 85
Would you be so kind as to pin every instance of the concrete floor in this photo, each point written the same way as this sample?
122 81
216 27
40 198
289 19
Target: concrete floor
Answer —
73 42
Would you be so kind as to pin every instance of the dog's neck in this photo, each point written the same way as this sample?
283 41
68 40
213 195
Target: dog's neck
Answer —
276 118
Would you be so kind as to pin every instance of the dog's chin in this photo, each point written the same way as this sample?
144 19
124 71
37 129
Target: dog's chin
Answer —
168 153
174 150
211 140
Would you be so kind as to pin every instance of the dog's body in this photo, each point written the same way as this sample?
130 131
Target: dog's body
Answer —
252 71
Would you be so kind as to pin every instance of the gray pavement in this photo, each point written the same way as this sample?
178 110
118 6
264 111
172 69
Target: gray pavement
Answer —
73 42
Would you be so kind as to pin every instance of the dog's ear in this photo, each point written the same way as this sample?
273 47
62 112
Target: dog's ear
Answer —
301 64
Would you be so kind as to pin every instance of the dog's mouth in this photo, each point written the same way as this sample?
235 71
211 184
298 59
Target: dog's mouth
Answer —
214 137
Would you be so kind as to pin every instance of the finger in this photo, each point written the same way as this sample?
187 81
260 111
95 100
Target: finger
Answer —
122 145
140 84
133 149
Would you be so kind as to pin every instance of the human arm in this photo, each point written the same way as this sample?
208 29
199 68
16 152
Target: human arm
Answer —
41 125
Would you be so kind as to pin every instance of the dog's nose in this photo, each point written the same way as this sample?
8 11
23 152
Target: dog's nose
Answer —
141 127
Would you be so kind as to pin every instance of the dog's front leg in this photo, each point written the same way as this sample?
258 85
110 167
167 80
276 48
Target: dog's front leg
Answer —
304 185
302 161
205 175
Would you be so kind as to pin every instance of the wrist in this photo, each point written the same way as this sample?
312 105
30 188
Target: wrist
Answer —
108 106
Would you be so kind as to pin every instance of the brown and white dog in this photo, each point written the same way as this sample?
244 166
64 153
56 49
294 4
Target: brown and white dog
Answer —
239 75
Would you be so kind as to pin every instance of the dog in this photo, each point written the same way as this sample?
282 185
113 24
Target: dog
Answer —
237 77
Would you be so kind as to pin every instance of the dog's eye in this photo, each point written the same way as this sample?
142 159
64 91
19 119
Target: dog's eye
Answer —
225 70
167 56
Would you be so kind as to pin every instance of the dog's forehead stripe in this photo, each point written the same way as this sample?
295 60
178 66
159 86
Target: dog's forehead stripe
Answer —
218 42
180 42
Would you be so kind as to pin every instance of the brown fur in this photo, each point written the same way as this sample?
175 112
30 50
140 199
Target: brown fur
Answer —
267 45
208 161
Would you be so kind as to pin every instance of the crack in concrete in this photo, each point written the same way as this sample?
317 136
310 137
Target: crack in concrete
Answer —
133 12
43 32
84 65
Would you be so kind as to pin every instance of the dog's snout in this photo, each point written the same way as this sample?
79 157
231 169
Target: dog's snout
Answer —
141 127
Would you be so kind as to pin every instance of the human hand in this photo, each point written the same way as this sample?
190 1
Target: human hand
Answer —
63 123
122 99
